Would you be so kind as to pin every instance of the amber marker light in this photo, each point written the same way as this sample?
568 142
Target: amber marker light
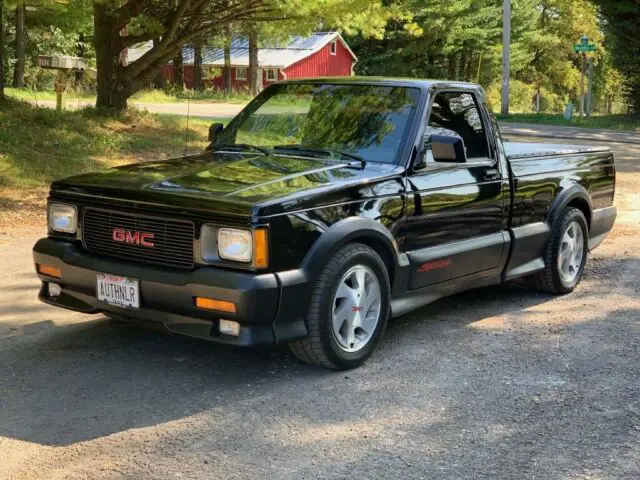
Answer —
49 271
218 305
260 248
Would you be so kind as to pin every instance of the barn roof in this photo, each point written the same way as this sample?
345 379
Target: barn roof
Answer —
277 54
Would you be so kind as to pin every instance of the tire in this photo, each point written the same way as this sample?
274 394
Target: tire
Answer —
337 293
558 277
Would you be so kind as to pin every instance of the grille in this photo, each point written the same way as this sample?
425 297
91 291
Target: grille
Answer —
172 239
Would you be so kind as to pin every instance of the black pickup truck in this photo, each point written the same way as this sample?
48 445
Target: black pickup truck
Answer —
324 208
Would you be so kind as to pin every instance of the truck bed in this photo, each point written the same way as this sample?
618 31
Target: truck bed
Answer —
515 150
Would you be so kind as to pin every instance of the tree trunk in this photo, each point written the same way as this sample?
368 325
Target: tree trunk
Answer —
253 62
197 67
80 51
473 61
1 53
18 70
462 65
113 89
452 61
159 81
178 71
226 71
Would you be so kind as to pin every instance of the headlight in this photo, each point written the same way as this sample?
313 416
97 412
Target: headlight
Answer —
63 218
236 245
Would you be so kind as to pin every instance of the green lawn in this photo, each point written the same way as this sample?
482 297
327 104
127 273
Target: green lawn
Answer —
38 145
616 122
144 96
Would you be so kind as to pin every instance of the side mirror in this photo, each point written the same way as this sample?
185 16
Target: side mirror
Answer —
214 130
448 149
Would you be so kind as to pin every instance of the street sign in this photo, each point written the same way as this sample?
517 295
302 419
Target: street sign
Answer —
584 45
582 48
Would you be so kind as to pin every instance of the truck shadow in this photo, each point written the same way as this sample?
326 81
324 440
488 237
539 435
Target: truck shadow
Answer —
67 384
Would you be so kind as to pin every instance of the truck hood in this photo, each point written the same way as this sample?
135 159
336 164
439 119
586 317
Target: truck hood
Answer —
229 183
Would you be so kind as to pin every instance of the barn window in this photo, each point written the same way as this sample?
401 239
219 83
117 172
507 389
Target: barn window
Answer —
241 73
272 74
334 47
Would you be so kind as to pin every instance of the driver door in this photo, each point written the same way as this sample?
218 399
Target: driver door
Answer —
455 211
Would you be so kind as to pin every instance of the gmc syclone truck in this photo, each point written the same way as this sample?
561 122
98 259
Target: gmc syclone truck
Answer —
321 210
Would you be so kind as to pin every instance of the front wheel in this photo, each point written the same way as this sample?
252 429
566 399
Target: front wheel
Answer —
566 254
348 311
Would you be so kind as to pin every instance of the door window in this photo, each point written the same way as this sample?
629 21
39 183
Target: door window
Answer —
457 113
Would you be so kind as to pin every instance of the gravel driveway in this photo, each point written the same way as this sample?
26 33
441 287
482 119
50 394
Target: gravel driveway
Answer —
494 383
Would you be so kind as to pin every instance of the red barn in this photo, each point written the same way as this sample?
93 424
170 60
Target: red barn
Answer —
319 55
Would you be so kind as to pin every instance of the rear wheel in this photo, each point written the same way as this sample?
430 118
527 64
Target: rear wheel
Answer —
348 310
566 254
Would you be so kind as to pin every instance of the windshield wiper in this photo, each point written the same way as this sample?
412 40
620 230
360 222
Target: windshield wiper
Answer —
321 151
239 146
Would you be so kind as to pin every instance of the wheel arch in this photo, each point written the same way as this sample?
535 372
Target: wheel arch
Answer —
574 196
351 230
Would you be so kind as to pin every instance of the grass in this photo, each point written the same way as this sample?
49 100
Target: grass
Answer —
615 122
207 96
144 96
38 145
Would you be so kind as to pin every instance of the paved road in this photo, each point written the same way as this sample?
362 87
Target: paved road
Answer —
573 133
496 383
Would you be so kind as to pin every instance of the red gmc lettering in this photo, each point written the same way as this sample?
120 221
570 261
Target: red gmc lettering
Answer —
118 235
135 238
145 239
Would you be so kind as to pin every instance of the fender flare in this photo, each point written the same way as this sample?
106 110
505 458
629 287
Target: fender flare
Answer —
564 198
345 231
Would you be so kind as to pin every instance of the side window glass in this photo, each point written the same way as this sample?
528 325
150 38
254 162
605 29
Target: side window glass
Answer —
457 113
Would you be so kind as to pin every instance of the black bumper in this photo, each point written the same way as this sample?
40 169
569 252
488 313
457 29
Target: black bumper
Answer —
269 307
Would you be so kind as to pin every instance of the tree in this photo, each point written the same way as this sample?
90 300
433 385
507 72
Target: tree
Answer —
181 22
254 68
1 51
226 71
456 39
197 66
18 69
159 81
623 27
178 71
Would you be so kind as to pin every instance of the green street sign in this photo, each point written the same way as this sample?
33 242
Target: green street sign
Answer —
581 47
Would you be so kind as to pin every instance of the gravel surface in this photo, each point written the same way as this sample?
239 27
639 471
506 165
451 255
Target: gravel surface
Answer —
494 383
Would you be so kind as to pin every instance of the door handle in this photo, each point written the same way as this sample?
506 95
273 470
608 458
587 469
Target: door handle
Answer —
491 174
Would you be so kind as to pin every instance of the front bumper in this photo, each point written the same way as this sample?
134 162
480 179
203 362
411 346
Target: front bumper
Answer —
269 307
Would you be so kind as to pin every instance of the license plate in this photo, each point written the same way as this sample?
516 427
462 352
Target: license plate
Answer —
119 291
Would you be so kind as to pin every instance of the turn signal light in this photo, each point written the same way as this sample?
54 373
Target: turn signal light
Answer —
260 248
49 271
219 305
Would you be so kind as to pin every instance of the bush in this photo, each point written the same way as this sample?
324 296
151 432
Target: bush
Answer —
521 98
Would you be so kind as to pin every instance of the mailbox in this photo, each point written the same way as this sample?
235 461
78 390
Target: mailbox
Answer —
63 62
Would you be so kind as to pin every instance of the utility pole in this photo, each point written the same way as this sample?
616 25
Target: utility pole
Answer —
479 68
583 58
506 53
590 85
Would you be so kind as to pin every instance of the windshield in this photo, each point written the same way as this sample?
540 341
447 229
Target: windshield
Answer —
368 121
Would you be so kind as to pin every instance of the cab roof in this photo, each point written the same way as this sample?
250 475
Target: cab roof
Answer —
391 81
